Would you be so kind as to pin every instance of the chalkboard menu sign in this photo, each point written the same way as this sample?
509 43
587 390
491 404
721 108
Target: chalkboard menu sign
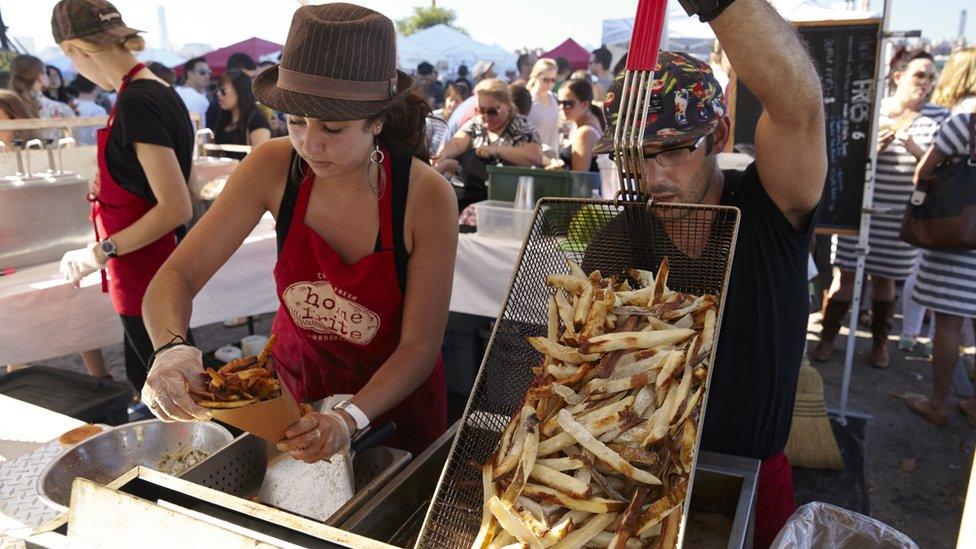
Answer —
846 55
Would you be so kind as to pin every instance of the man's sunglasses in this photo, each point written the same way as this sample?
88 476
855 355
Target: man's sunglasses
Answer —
676 156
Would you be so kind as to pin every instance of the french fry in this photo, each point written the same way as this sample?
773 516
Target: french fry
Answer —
560 464
603 539
688 434
569 282
583 307
593 526
560 352
568 395
628 521
503 540
575 270
600 450
669 530
511 460
552 331
661 279
675 361
530 448
488 525
565 311
513 524
690 405
563 526
560 371
560 481
590 504
655 512
634 340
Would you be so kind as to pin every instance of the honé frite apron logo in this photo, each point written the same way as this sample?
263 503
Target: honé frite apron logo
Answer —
317 307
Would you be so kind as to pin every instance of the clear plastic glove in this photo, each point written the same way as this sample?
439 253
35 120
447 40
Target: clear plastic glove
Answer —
175 372
317 436
77 264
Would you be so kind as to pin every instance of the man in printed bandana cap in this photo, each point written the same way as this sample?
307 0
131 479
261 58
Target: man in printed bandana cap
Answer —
754 377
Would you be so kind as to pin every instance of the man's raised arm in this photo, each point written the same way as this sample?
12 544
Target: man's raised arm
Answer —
766 54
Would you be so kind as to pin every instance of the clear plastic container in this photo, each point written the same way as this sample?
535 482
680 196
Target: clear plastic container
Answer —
497 219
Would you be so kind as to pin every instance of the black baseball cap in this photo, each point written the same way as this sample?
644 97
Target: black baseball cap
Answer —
93 20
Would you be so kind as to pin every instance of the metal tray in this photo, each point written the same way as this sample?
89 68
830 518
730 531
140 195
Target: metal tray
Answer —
239 469
721 513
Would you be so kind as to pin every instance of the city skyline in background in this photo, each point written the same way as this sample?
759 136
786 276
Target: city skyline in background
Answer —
512 24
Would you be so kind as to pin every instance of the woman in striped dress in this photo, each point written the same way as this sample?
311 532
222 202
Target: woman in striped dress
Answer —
947 279
908 124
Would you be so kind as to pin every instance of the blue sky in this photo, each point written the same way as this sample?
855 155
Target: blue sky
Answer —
510 23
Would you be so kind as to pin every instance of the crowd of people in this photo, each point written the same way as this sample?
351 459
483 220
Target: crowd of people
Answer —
923 123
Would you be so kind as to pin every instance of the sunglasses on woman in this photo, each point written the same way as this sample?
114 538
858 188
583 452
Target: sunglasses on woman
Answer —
567 103
488 112
548 80
922 76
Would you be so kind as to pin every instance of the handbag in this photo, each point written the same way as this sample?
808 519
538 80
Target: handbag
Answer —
945 217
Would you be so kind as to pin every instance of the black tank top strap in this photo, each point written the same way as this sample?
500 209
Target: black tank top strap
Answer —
400 168
400 172
287 207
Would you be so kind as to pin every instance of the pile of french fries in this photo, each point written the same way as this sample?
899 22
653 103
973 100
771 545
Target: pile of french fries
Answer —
601 451
240 382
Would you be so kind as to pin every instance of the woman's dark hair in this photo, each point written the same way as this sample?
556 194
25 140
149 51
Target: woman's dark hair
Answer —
404 131
24 70
405 126
14 107
82 84
163 72
241 61
61 94
903 56
583 91
522 98
247 105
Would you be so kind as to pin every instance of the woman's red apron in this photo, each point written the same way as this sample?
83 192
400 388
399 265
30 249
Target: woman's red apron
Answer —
115 208
338 323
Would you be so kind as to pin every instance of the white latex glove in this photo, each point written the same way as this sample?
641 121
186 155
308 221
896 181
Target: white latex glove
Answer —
317 436
77 264
174 372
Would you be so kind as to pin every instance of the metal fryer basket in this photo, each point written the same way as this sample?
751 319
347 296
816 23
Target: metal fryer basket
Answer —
698 241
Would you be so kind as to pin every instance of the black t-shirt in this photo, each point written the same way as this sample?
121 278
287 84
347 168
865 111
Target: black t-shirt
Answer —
753 385
237 135
147 112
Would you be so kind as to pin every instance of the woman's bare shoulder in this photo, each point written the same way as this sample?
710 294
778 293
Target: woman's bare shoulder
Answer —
431 200
264 171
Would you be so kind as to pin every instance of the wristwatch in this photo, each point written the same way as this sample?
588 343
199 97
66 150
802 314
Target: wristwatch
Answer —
706 10
362 421
108 248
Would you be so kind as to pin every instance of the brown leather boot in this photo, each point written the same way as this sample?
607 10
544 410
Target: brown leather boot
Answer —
833 314
881 314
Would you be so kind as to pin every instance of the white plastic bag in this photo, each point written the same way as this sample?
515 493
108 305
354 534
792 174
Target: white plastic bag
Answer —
819 525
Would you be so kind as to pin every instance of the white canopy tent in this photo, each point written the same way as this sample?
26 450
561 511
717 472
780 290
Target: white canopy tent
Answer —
447 48
688 34
68 70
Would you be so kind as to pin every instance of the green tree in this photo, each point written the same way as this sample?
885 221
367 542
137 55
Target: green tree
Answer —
424 17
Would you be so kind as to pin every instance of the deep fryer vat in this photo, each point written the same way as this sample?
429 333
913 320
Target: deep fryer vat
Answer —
598 234
239 470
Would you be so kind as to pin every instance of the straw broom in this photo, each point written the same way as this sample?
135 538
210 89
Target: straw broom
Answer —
812 444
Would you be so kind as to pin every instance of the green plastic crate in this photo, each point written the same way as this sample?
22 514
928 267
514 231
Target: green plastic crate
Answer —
503 180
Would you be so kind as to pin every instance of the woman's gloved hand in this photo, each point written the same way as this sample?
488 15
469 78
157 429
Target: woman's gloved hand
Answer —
317 436
77 264
175 371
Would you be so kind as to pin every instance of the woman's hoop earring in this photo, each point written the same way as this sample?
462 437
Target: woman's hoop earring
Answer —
376 156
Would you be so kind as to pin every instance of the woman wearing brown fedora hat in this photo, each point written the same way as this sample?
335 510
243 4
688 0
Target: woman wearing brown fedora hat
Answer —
140 201
367 233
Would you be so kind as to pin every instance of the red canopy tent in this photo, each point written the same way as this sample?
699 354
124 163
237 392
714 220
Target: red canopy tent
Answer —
255 47
577 55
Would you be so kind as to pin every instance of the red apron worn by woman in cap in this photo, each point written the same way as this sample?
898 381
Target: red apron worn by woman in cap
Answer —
338 323
113 209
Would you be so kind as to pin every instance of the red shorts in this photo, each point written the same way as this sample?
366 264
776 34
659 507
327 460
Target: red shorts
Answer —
775 501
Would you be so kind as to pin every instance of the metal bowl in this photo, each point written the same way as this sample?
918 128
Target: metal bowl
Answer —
109 455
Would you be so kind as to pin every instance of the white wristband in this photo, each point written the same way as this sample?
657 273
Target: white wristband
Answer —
362 421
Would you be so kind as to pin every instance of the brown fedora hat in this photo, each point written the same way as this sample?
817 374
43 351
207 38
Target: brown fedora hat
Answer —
339 63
